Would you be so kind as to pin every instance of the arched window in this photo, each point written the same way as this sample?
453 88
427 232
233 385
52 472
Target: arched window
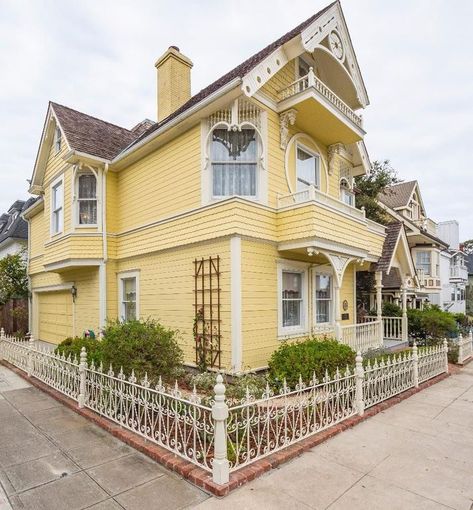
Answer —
346 193
234 156
87 199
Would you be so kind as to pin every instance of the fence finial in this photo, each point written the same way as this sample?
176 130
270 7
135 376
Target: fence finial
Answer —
2 334
82 377
220 466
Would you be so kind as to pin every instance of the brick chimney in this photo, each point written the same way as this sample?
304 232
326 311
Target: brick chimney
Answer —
174 81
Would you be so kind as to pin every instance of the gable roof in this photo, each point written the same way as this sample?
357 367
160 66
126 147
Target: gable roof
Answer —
238 72
398 195
393 231
15 227
90 135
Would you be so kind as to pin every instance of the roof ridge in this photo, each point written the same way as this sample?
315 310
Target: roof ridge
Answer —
53 103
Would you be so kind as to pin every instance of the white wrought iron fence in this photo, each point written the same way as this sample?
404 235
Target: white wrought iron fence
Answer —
224 436
465 347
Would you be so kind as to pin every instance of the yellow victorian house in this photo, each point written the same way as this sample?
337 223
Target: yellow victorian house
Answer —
232 218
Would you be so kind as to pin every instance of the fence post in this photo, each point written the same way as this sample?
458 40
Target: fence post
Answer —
445 349
360 377
30 355
460 349
220 466
82 377
2 338
415 365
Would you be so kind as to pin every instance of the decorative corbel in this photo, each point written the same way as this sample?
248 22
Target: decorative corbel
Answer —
335 149
285 119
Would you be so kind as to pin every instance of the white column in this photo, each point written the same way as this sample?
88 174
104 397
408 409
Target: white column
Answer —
102 295
337 309
360 377
379 305
404 324
235 302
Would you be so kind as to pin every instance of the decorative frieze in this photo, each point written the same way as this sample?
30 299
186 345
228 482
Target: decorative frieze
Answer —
286 119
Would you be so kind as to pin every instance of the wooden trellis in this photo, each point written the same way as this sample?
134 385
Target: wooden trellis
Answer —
207 312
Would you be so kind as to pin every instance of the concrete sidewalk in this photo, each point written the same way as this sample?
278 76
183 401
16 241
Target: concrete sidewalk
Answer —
416 455
53 459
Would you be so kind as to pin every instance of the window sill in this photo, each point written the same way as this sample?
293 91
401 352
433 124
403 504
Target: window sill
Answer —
292 334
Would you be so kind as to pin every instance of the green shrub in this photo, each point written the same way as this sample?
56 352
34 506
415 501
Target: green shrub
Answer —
391 310
144 346
307 357
256 384
73 346
432 322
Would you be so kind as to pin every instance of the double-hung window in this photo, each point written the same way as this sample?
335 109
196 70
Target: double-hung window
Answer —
346 194
129 295
57 207
323 298
423 261
234 157
307 169
87 199
293 299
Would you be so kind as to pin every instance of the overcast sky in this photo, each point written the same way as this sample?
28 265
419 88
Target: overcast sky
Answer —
98 57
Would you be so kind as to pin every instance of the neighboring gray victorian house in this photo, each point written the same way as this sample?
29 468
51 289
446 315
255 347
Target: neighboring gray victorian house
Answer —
14 229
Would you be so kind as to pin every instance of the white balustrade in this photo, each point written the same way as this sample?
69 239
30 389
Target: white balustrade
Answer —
310 81
362 337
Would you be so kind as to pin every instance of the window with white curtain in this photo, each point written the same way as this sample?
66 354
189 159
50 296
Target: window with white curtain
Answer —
292 299
323 298
128 293
307 169
57 207
234 159
87 199
423 261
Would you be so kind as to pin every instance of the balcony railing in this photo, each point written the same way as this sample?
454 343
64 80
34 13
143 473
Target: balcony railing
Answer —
458 272
428 225
426 280
311 81
312 194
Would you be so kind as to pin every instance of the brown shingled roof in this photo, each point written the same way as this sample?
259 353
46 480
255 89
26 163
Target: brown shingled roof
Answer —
397 195
392 235
238 72
93 136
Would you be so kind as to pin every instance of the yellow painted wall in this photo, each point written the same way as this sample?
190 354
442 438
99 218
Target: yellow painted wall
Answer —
167 290
280 80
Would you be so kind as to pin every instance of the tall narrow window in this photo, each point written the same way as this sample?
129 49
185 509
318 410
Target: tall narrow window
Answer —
307 167
346 194
292 300
323 298
234 156
57 207
57 139
87 199
128 299
423 261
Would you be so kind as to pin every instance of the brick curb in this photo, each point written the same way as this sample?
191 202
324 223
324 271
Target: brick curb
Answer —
197 475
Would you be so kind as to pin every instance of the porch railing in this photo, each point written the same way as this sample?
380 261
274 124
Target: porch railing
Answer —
309 81
362 337
394 328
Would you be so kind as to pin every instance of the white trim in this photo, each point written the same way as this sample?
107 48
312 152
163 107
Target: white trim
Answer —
323 244
77 173
123 275
63 264
236 308
103 295
326 271
59 181
53 288
296 267
316 155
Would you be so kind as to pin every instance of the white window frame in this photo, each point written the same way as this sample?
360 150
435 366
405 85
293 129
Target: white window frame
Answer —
77 200
316 155
58 139
430 273
346 191
324 272
55 184
127 275
303 269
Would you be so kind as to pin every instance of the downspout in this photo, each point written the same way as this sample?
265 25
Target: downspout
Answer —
103 269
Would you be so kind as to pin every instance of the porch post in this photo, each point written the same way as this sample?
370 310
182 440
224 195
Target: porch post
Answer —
337 311
379 305
404 324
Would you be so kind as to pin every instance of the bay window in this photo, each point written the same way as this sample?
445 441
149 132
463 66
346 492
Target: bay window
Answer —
323 298
307 168
234 158
87 199
57 207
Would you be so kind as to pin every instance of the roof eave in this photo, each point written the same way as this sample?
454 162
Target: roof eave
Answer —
33 209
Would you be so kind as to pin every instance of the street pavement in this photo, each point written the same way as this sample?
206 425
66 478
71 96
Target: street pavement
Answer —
416 455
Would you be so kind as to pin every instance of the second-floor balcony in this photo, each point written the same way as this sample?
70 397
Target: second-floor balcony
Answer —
427 281
314 99
428 225
458 272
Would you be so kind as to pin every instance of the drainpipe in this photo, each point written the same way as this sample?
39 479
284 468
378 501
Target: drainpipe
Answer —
103 268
